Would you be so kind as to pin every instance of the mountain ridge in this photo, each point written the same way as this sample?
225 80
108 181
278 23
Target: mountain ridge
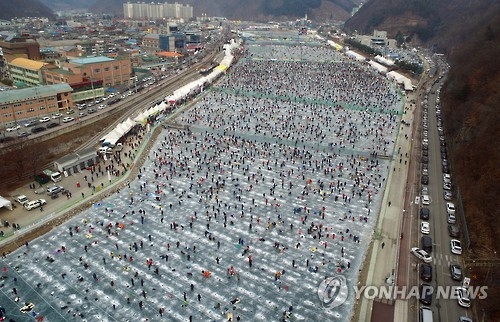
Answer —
24 8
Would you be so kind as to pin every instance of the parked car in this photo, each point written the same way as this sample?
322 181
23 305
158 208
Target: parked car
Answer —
38 129
425 213
456 272
68 119
426 242
70 112
425 227
424 180
22 134
425 293
421 254
453 231
30 123
91 110
52 125
456 247
463 297
22 199
44 119
450 207
13 128
34 204
54 189
426 200
447 195
452 219
426 272
56 116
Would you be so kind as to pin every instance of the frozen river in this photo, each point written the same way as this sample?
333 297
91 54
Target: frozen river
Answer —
276 186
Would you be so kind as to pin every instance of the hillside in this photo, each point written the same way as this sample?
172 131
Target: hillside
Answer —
61 5
23 8
257 10
468 33
443 23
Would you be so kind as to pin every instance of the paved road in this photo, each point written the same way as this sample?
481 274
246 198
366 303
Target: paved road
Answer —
444 309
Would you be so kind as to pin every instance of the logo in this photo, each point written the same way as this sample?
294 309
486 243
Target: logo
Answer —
333 291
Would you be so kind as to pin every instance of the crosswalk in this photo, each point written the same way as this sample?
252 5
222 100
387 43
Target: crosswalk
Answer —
444 260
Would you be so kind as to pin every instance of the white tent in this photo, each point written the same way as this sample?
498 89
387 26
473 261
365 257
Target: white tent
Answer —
355 55
141 118
401 79
378 67
5 203
113 137
335 45
383 60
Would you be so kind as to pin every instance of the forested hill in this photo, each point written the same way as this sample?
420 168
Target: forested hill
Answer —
467 32
23 8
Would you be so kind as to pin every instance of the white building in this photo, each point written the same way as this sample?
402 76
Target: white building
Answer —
141 10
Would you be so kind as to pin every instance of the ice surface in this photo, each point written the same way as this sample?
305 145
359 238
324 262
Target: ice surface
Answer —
291 161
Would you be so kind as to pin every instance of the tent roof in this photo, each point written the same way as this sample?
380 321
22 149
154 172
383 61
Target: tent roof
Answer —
5 203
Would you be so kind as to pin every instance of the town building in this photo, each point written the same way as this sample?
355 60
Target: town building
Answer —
23 45
112 72
378 38
34 102
26 72
151 43
173 42
157 10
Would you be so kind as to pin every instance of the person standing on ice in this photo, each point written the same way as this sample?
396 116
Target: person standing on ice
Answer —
250 260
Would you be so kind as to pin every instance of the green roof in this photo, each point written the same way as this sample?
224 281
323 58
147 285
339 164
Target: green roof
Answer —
24 94
90 60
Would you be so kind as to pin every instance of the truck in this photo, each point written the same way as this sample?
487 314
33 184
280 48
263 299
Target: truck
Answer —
22 199
54 175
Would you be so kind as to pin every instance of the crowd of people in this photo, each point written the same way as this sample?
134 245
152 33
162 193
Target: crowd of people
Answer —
275 183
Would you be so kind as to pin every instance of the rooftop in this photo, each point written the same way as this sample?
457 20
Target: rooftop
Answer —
27 63
90 60
168 54
24 94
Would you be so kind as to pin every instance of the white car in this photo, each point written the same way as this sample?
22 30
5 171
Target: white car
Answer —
56 116
44 119
14 128
426 200
463 297
30 205
456 247
421 254
452 219
450 207
101 107
68 119
425 228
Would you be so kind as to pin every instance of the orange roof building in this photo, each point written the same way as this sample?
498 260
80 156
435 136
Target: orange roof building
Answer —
169 54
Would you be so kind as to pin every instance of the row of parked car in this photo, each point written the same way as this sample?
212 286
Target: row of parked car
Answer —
425 250
53 192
